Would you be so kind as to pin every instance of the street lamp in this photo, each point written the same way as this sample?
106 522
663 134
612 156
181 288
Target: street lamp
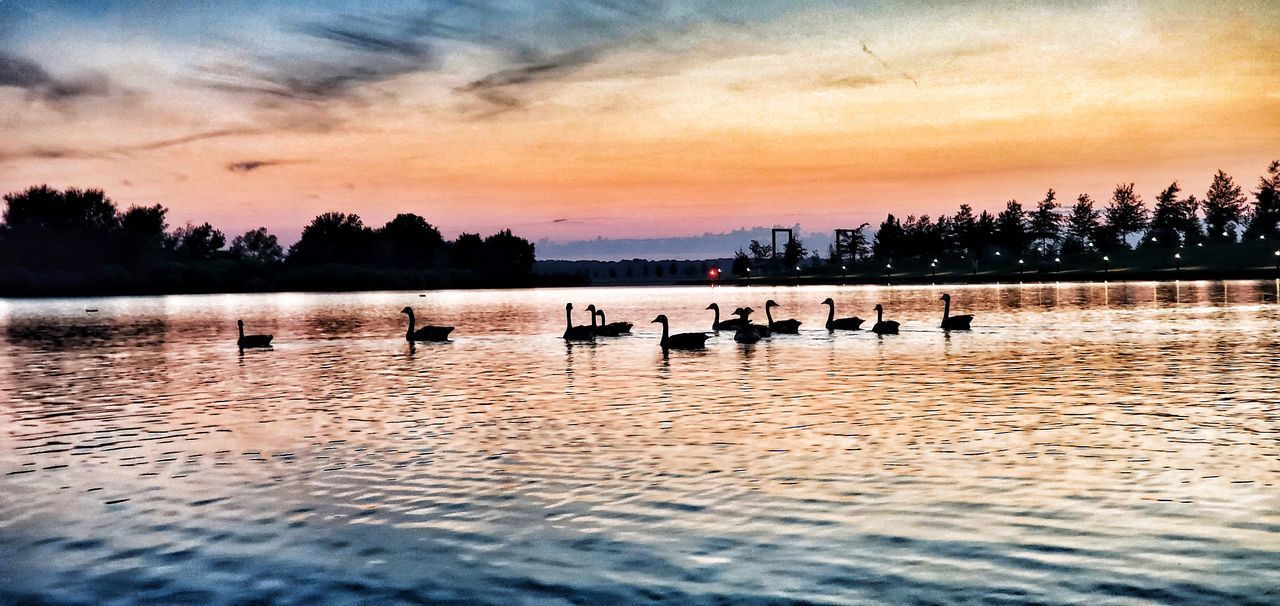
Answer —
1106 268
1177 260
1278 259
1058 263
888 269
1019 267
844 271
748 276
934 268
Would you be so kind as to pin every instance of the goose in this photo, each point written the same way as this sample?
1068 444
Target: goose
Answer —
426 333
612 329
748 334
730 324
684 340
745 314
882 326
950 322
576 333
782 326
833 323
246 341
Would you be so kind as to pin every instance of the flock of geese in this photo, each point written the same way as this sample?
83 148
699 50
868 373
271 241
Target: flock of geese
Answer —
745 331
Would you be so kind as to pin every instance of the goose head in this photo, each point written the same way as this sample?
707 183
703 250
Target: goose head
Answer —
946 297
661 318
828 301
568 306
879 307
713 306
407 310
240 323
771 303
592 308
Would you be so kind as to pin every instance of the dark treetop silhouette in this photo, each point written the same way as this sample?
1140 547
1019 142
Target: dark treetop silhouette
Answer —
76 242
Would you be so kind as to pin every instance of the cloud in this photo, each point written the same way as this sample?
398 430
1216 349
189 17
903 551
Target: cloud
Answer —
853 81
249 166
868 51
68 153
22 73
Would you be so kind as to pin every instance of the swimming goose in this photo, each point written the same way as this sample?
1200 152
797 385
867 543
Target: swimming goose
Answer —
950 322
576 333
782 326
426 333
730 324
882 326
614 328
833 323
684 340
247 341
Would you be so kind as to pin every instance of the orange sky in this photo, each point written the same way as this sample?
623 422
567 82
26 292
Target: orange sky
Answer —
673 122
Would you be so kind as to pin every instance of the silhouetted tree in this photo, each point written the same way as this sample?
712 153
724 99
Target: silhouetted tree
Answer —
47 228
467 251
409 241
964 232
144 234
1264 218
1082 225
741 262
1125 214
1166 218
889 239
793 252
334 237
508 253
1224 207
1045 226
198 242
257 245
1011 230
761 252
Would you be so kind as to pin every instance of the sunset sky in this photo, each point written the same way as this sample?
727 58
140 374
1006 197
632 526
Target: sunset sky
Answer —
622 118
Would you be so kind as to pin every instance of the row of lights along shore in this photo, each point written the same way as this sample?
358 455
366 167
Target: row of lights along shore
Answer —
714 272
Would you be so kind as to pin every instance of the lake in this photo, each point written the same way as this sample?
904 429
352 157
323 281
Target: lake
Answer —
1084 444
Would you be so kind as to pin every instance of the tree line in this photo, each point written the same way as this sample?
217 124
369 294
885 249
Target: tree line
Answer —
77 241
1224 215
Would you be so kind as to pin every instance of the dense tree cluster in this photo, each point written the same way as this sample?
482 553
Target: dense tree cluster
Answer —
1124 221
75 233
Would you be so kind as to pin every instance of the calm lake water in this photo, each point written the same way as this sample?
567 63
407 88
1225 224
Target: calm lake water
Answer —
1084 444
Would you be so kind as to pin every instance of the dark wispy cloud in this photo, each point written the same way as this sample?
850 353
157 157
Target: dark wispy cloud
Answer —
527 45
71 153
248 166
886 65
20 72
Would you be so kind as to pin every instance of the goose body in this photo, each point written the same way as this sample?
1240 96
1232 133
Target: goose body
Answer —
426 333
730 324
834 323
950 322
576 333
684 340
882 326
251 341
747 334
779 326
608 329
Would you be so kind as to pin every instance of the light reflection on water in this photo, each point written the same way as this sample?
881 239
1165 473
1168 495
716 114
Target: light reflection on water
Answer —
1084 444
